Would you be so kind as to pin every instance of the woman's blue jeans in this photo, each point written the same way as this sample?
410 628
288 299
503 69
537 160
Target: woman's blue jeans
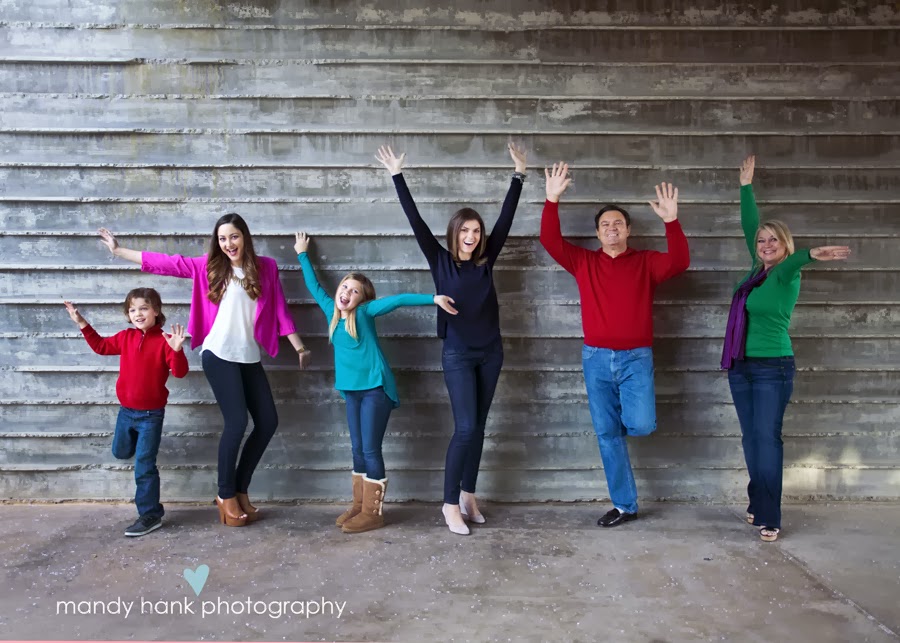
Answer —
471 376
761 388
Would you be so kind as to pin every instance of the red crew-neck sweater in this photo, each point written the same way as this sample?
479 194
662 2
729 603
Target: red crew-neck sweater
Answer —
616 294
144 365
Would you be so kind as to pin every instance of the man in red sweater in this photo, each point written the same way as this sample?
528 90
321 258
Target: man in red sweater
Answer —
147 357
616 285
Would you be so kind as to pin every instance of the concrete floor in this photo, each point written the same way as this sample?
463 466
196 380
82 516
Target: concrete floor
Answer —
532 573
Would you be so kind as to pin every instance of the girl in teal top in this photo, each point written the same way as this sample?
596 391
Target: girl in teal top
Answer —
758 353
363 378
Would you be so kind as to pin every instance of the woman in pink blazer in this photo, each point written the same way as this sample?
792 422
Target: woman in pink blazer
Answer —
237 307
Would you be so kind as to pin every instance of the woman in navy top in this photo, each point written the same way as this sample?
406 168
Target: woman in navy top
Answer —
472 353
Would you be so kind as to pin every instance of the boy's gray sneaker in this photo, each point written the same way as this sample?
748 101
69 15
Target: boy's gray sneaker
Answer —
143 526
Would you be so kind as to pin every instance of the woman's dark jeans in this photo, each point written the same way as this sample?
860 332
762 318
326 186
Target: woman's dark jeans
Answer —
761 388
368 413
471 376
239 389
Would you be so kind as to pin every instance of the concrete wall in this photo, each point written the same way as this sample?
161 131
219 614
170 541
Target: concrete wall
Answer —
153 117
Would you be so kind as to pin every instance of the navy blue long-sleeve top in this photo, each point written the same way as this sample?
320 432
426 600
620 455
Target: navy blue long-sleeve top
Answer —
470 286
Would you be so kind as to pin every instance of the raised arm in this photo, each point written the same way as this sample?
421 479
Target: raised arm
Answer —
566 254
175 356
504 223
109 240
427 243
155 263
301 247
665 265
384 305
749 211
100 345
788 269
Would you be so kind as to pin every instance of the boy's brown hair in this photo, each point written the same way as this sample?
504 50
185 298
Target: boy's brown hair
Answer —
151 296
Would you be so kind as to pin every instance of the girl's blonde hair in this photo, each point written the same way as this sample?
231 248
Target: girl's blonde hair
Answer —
350 322
781 232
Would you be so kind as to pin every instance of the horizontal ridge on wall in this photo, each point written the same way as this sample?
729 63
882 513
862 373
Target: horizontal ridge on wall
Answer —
133 219
410 79
871 286
384 43
495 14
698 115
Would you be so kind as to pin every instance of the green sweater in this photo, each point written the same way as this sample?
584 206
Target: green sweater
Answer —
359 364
769 306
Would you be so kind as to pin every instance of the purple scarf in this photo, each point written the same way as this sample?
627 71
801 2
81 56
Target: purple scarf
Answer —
736 331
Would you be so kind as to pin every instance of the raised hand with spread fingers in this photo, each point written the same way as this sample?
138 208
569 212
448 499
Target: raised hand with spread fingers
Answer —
74 315
392 163
666 204
558 180
176 339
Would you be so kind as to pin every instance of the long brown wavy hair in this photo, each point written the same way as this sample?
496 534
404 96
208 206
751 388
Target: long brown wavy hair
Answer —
455 224
218 265
368 289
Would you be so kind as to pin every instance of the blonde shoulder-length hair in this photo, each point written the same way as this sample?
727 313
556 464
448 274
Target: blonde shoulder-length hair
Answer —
350 322
781 232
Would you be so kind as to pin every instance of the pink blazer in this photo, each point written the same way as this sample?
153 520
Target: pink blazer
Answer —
272 317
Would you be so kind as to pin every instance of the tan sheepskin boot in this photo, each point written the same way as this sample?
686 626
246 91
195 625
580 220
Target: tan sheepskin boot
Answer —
356 506
370 517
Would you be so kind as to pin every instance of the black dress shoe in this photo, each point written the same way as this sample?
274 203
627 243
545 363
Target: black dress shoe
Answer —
614 518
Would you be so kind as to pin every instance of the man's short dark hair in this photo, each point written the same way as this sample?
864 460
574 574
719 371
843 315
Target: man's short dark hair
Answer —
612 208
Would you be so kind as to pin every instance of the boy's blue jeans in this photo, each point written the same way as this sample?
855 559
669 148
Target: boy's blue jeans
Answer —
138 434
623 402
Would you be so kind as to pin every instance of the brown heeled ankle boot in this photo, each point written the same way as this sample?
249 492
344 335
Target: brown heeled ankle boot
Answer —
230 512
370 517
356 505
246 508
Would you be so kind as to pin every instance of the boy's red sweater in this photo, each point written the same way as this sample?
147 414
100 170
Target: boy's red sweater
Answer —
616 294
146 359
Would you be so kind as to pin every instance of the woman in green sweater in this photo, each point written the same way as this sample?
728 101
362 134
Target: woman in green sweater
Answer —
363 377
758 353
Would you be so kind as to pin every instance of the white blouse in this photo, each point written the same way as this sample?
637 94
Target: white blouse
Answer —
231 335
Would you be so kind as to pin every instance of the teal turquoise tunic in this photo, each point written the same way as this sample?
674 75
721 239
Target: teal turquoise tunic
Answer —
359 364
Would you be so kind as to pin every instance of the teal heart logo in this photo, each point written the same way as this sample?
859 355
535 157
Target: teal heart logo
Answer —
196 578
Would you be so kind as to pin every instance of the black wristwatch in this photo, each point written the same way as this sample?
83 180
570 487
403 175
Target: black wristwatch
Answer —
519 175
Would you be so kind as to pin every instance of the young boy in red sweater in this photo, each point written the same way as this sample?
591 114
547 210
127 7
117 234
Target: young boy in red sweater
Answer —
147 357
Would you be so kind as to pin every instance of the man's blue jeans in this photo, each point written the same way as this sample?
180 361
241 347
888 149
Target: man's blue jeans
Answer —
138 434
623 402
368 413
761 388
